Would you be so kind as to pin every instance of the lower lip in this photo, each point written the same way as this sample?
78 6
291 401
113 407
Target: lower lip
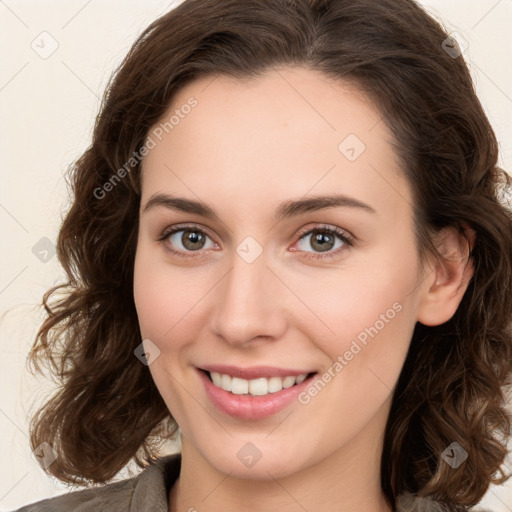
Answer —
249 407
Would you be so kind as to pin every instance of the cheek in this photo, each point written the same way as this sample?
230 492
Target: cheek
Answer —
368 310
162 300
371 317
163 295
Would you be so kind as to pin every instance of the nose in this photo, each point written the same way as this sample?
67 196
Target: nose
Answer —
250 303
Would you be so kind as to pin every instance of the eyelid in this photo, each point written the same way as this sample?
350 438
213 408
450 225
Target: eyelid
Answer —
170 230
346 237
325 227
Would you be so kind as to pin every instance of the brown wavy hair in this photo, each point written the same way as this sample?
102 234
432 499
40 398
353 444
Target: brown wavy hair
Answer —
107 410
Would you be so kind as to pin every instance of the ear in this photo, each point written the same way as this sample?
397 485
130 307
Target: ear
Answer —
448 279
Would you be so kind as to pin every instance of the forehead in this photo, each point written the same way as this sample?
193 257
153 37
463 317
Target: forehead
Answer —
291 129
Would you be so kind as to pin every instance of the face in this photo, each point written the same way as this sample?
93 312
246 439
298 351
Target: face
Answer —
326 288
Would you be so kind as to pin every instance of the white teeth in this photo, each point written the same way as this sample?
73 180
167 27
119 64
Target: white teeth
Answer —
288 382
275 384
300 378
216 378
238 386
257 387
225 382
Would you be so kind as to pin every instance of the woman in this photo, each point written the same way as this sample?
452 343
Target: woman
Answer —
288 245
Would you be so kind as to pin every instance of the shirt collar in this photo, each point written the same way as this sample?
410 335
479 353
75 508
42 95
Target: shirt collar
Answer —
151 491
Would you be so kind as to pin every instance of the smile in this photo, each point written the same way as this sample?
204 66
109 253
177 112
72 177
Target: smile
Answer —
255 387
253 393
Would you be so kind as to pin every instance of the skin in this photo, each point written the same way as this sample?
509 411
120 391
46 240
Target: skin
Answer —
246 147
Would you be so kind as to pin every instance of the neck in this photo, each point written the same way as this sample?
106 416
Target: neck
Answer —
348 479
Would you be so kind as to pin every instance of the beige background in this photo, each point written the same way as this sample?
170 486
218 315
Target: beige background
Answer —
48 106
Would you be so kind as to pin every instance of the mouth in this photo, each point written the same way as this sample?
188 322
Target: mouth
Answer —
260 386
264 392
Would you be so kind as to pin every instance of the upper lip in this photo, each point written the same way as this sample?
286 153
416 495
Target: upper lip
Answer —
254 372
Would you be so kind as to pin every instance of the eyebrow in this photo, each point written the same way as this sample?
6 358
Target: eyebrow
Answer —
285 210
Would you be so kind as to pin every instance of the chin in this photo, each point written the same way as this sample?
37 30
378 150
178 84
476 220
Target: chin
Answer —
248 460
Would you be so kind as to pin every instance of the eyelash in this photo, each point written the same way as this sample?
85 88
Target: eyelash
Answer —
346 239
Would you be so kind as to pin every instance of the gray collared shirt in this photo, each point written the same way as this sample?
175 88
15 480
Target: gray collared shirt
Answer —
146 492
149 492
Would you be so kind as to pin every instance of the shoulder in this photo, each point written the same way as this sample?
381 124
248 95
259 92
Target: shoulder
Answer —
147 491
408 502
115 496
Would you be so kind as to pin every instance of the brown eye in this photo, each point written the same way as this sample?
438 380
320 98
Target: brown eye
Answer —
184 240
324 239
192 240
